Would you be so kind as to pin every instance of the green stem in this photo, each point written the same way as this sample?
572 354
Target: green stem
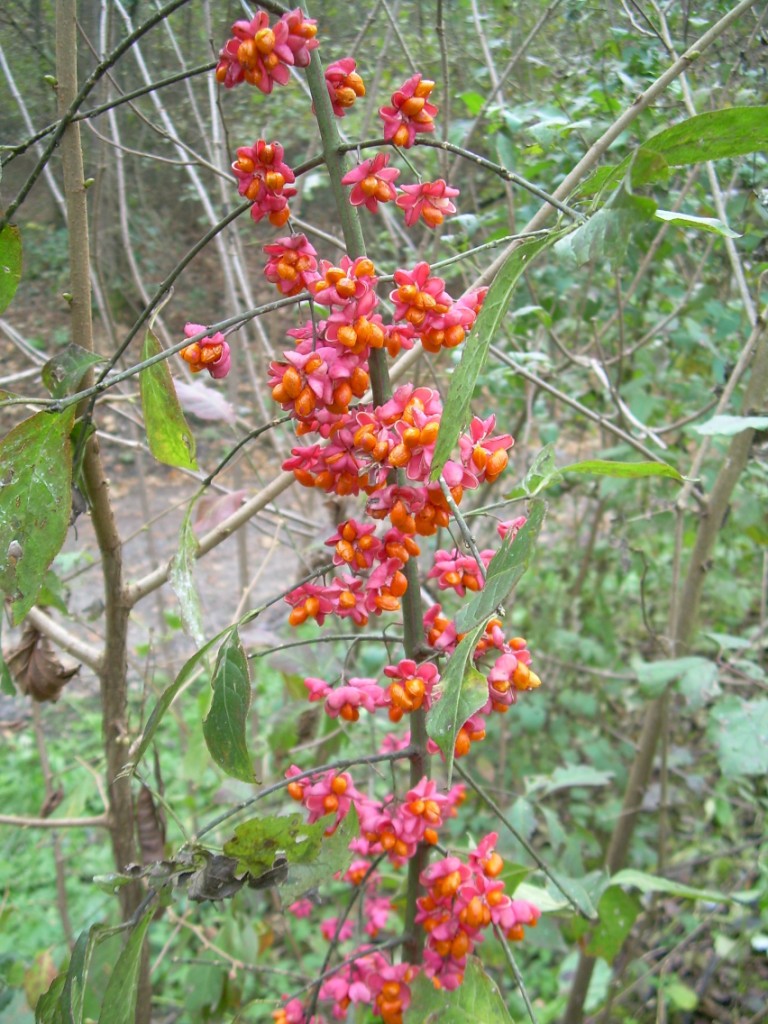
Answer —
333 152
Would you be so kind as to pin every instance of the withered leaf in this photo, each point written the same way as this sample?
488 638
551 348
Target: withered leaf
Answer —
151 827
36 666
216 880
51 802
273 876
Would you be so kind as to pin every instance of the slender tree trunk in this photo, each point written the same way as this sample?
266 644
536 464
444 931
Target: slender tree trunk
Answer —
113 674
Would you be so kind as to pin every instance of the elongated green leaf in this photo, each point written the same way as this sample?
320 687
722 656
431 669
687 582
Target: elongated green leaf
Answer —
542 473
62 374
561 892
10 264
170 439
504 572
190 667
456 410
35 503
463 691
687 220
181 576
567 778
630 470
727 426
652 883
739 730
63 1002
258 841
119 1005
477 999
710 136
602 180
224 727
607 233
48 1007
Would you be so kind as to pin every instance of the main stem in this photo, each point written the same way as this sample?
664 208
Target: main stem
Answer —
113 667
333 152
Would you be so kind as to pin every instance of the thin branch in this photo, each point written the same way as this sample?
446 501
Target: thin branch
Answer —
19 821
77 102
63 638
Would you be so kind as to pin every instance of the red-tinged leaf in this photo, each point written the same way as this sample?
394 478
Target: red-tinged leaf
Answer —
214 509
204 402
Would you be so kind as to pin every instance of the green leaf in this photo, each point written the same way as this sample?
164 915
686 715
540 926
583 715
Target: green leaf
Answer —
699 685
548 901
567 778
727 426
561 891
63 1002
739 731
10 264
258 841
710 136
119 1005
224 727
617 911
542 473
602 179
6 682
601 467
652 883
477 999
48 1007
190 667
683 997
486 328
170 439
62 374
702 223
463 691
334 855
655 676
35 503
504 572
181 576
608 231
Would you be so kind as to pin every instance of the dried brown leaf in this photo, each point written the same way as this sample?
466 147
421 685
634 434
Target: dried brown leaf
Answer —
51 802
37 668
151 827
